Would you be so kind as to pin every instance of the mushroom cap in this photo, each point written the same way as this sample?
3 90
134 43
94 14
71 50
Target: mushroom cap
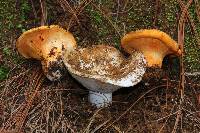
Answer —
104 69
153 43
46 43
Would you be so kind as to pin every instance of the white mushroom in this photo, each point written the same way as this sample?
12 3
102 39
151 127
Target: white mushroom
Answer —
103 69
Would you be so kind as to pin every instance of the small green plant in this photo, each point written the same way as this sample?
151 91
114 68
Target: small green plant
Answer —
6 51
7 15
99 22
12 56
10 18
3 72
94 15
25 8
21 27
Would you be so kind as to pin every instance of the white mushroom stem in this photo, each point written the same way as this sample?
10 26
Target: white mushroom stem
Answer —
100 99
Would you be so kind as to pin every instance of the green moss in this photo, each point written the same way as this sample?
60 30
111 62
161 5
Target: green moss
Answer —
3 72
100 24
25 8
95 15
6 51
192 50
192 56
12 17
7 17
12 21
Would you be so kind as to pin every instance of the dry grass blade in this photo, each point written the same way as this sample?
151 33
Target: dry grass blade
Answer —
87 130
82 5
193 116
198 16
66 7
79 9
117 129
133 105
126 3
9 81
160 131
157 5
166 117
109 20
34 10
44 12
197 9
191 21
100 126
181 28
18 118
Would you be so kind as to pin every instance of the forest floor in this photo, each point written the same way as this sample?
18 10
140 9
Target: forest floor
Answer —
31 103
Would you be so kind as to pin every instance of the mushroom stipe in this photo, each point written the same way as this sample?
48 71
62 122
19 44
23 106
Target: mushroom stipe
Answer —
55 69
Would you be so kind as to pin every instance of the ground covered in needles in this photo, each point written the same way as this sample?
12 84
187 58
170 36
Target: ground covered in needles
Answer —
31 103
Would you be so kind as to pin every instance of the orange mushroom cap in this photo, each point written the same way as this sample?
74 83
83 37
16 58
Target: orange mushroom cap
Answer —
46 43
154 44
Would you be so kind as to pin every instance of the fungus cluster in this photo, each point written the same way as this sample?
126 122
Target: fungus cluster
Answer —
100 68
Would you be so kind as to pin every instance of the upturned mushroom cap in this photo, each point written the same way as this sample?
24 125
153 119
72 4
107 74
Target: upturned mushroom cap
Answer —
104 69
154 44
46 43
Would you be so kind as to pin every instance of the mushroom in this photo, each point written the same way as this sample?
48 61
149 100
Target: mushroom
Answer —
154 44
46 43
103 69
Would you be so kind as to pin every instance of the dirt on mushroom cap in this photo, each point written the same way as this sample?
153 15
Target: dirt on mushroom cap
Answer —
104 61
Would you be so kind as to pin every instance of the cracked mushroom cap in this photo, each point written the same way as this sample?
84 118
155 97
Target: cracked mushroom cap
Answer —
154 44
104 69
46 43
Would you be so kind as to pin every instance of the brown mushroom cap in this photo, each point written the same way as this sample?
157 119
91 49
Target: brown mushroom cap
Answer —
154 44
46 43
40 42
